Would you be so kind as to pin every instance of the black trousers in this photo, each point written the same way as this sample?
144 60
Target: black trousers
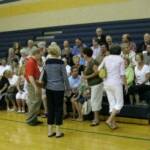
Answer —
55 101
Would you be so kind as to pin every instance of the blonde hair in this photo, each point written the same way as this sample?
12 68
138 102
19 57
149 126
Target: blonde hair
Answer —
7 73
54 50
76 59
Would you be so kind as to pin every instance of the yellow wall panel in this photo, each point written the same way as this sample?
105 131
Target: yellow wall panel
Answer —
49 5
45 13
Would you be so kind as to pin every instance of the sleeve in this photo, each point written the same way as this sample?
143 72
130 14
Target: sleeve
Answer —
66 81
101 65
147 69
43 76
122 68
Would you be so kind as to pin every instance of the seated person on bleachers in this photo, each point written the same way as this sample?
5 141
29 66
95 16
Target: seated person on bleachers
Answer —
66 52
74 81
79 45
100 36
30 45
82 96
146 55
96 48
11 92
17 47
11 56
129 74
142 46
129 54
109 41
76 62
142 76
24 55
126 38
68 67
104 52
4 83
4 66
14 66
21 96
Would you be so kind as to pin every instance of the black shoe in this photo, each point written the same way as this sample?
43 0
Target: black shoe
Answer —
35 123
51 135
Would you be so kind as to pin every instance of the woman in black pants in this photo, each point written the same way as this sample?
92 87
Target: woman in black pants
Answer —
56 82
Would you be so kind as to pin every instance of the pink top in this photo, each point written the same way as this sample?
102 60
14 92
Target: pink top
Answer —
114 65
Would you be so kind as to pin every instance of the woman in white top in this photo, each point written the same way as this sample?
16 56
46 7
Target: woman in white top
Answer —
142 77
113 83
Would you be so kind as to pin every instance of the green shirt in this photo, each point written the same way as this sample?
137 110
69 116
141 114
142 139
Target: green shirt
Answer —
129 73
89 70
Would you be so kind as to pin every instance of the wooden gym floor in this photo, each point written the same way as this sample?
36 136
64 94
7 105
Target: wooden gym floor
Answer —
16 135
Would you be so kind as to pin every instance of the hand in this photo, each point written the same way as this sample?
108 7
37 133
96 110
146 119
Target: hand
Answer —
68 92
39 84
36 90
85 77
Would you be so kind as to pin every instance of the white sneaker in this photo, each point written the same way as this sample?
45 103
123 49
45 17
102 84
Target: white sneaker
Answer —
23 111
19 111
8 109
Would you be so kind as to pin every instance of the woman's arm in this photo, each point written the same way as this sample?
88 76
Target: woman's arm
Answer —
101 65
95 73
18 84
66 81
4 88
147 78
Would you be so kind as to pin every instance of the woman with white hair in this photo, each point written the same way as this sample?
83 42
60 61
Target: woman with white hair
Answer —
113 83
56 82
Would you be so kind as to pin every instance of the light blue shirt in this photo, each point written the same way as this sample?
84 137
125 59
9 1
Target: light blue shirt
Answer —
74 82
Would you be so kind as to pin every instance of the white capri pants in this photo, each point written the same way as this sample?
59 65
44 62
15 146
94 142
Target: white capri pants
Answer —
22 95
96 97
115 97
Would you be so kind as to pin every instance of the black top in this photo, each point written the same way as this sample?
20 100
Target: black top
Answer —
4 81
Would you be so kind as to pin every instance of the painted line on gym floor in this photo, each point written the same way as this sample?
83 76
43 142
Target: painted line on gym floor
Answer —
90 132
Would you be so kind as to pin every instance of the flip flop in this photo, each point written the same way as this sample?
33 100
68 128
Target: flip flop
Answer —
111 126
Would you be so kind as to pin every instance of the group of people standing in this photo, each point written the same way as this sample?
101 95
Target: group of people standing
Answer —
55 81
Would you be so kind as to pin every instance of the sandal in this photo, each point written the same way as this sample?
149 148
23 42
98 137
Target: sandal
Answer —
94 123
111 126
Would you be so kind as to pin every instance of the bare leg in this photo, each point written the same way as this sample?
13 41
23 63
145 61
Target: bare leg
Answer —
19 104
7 104
78 110
96 120
131 99
111 120
23 106
73 108
137 98
14 104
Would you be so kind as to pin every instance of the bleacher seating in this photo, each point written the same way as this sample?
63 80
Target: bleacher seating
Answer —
86 31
